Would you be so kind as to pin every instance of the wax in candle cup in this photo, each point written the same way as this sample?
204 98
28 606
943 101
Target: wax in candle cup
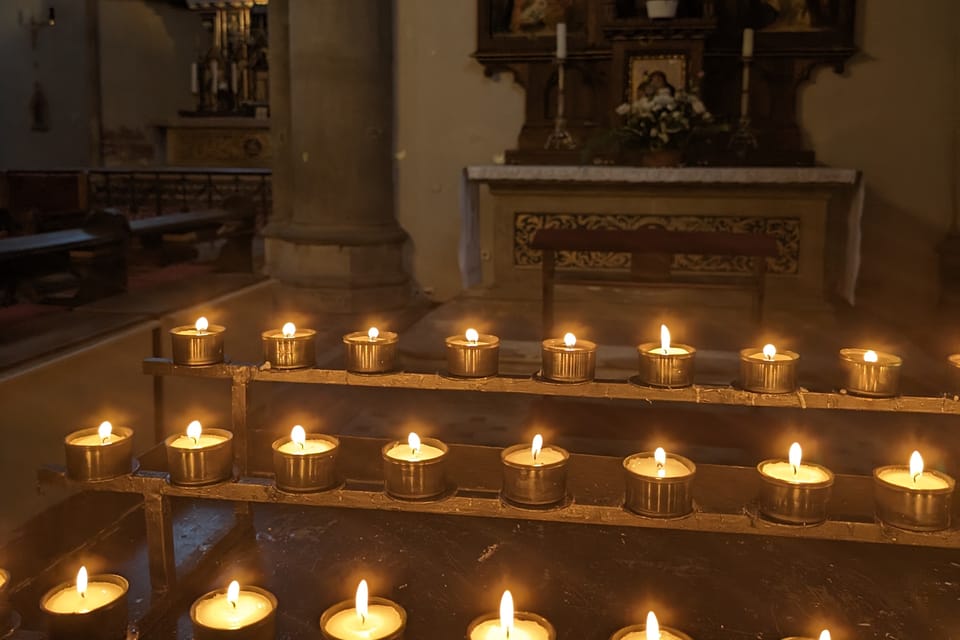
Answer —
872 374
195 462
534 481
307 466
639 632
568 359
526 626
420 475
476 355
385 620
766 370
215 617
794 492
199 344
91 457
371 351
101 614
913 502
659 488
289 347
666 365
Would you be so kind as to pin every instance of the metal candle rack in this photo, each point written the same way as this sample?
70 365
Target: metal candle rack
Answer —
595 483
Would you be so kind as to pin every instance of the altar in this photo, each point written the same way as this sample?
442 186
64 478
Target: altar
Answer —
813 212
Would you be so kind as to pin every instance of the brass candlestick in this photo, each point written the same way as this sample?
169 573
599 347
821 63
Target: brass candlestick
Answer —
560 138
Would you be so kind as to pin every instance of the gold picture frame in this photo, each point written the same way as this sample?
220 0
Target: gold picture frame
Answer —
641 67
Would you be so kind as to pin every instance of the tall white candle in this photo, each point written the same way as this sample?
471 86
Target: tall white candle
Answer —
561 41
747 50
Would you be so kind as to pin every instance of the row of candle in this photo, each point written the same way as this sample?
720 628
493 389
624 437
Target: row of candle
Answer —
95 607
533 475
566 360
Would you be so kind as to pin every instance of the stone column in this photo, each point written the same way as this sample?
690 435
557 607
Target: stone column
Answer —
333 241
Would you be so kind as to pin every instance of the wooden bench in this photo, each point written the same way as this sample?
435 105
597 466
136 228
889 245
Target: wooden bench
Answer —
652 250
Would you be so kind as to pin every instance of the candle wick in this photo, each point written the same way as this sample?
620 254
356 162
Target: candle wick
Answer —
301 445
234 603
104 440
196 441
916 477
363 620
796 470
659 465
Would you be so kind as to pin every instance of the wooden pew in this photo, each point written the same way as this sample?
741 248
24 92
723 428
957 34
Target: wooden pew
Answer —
652 250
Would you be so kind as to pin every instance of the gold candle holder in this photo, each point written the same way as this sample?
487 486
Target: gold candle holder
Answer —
568 359
233 613
200 457
197 345
534 476
664 364
100 614
473 355
869 373
911 498
415 470
371 351
794 492
99 453
636 631
659 485
525 623
767 370
289 347
305 462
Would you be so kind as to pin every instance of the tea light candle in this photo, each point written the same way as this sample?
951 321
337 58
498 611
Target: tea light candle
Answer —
534 475
767 370
305 462
367 618
649 631
794 492
415 470
92 607
870 373
99 453
824 635
568 359
200 344
371 351
200 456
289 347
473 355
665 364
510 624
659 485
912 498
248 613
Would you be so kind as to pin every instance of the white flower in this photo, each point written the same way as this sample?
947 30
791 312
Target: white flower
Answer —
698 107
623 109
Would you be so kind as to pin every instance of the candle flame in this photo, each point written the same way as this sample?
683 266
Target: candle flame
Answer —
825 635
664 338
202 324
289 330
769 351
916 465
298 435
796 453
569 340
660 457
82 582
361 601
473 336
194 430
373 333
414 441
537 446
653 627
870 356
506 613
233 593
105 430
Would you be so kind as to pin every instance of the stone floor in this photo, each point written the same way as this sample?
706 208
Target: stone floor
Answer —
589 581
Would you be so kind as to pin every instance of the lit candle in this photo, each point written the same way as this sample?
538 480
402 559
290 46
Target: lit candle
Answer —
568 359
289 347
473 355
197 344
871 373
659 485
650 631
414 450
824 635
200 456
913 498
368 618
371 351
305 462
767 370
416 469
248 613
561 41
913 477
794 492
666 364
90 607
510 624
747 50
99 453
534 475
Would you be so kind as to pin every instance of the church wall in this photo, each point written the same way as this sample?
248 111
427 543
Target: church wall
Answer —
893 114
58 65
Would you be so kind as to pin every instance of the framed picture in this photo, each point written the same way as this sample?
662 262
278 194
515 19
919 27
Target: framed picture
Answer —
527 26
648 65
649 73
